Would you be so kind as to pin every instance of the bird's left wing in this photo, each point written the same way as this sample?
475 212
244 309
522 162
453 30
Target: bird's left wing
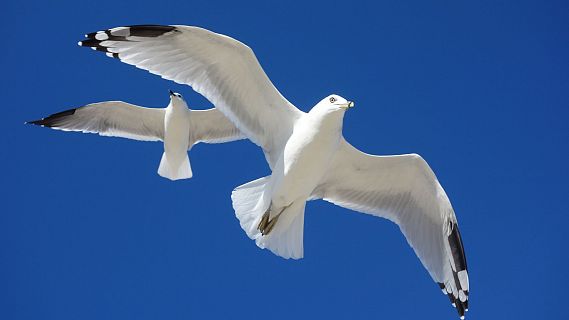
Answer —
211 126
222 69
405 190
110 118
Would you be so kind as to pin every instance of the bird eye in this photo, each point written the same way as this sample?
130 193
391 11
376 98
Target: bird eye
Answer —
332 99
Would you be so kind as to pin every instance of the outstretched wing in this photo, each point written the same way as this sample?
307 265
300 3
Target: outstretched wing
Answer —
211 126
222 69
405 190
111 118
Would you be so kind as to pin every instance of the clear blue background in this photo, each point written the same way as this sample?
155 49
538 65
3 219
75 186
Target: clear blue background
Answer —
88 230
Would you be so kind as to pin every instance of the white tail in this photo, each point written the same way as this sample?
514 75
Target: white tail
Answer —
251 201
175 169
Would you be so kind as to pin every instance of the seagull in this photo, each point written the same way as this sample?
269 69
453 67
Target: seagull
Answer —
306 151
179 127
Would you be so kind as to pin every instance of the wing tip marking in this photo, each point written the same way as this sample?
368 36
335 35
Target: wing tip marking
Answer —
51 120
94 39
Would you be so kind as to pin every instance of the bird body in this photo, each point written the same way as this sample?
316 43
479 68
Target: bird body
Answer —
307 154
175 163
305 160
176 125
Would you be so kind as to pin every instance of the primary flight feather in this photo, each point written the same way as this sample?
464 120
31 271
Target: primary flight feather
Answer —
307 153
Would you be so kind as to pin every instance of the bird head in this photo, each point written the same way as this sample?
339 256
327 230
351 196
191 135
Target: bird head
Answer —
177 99
175 95
334 102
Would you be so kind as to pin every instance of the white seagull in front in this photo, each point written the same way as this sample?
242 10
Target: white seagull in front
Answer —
179 127
307 153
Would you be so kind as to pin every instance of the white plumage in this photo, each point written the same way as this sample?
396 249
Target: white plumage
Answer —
176 125
307 153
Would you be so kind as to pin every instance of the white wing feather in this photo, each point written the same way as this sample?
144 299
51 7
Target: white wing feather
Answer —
211 126
111 118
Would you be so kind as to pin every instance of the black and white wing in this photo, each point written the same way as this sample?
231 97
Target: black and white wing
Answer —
211 126
405 190
222 69
111 118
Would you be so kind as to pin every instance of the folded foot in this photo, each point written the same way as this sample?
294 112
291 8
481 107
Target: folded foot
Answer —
266 224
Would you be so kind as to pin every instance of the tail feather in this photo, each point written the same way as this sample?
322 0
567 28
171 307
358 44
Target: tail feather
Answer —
174 170
286 239
251 201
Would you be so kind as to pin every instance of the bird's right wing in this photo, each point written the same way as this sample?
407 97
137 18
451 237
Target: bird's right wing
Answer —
211 126
404 189
222 69
111 118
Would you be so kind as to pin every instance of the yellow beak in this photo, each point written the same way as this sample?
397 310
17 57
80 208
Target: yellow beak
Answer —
348 105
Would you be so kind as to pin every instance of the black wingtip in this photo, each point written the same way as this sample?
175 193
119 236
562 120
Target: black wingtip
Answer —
457 248
459 259
460 309
149 30
123 33
91 42
90 35
96 40
34 122
52 120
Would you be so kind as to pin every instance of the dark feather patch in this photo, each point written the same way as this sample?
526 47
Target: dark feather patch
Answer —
90 35
455 242
100 48
149 30
144 31
459 259
459 307
53 120
91 42
110 37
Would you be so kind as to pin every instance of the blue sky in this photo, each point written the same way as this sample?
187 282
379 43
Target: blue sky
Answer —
88 230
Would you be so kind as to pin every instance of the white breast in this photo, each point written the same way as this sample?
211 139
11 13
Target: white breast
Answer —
306 157
176 129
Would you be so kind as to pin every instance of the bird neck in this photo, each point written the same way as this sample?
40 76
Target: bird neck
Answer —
178 105
326 120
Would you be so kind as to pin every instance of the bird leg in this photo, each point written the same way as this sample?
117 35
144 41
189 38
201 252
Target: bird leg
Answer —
264 221
269 226
266 224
